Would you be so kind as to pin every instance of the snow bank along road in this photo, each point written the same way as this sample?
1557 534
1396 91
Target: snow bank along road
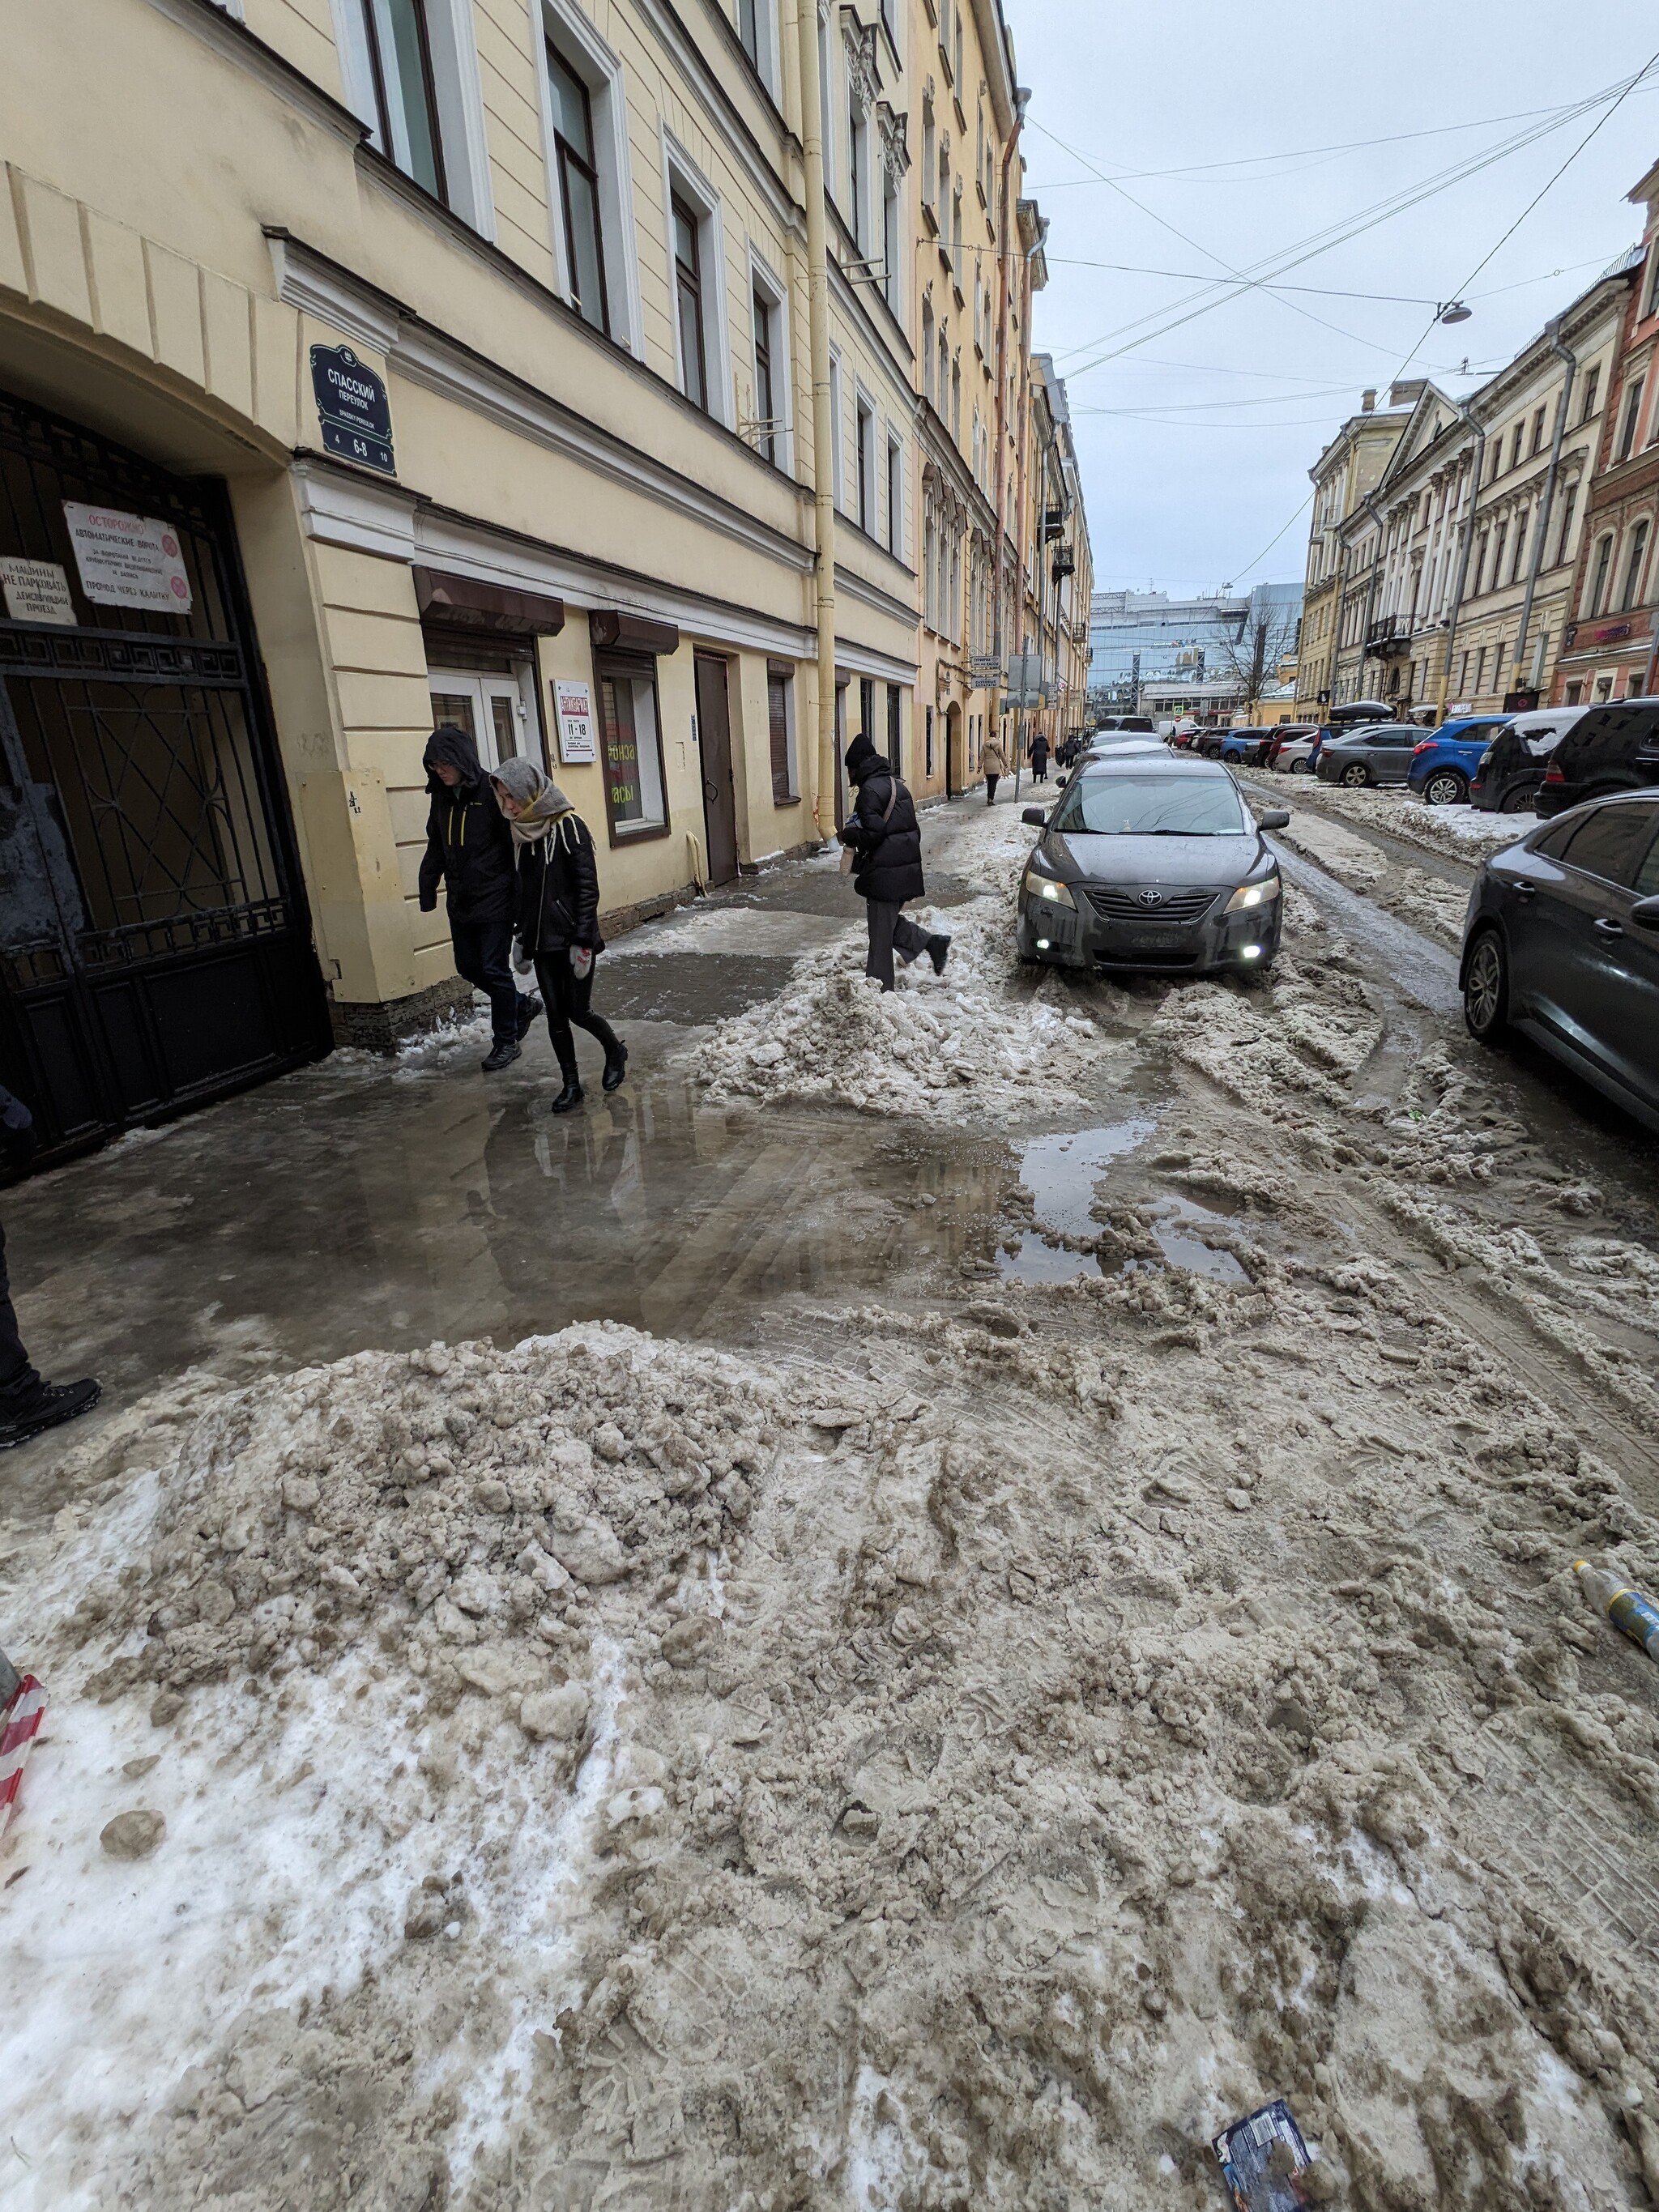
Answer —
958 1759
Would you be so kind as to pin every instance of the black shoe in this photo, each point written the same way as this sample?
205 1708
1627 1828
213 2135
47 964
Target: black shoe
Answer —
938 951
616 1066
57 1401
530 1007
569 1099
503 1052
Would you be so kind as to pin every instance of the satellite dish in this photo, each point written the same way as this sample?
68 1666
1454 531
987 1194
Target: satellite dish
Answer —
1455 312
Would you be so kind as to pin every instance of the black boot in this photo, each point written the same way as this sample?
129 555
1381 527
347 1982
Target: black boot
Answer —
571 1096
939 949
615 1064
529 1007
502 1053
54 1402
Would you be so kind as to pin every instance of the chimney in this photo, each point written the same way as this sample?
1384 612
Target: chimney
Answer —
1367 402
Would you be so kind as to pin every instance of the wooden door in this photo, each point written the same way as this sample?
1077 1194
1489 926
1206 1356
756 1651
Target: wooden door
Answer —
720 799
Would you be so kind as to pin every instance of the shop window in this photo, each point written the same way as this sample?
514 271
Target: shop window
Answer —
631 732
411 70
688 303
579 190
780 725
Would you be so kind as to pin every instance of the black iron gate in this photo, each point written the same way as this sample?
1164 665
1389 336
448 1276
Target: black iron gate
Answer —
155 949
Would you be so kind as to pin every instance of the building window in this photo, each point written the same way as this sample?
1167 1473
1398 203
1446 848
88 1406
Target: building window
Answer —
1480 671
1575 694
1639 547
1498 543
955 399
579 190
858 168
1598 594
766 415
1519 549
1592 387
838 419
895 729
1569 501
865 457
398 41
944 372
867 709
688 303
928 349
1537 430
780 725
1628 421
748 31
927 145
631 732
929 749
1515 448
891 252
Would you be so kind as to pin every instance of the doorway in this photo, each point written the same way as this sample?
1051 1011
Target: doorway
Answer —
719 798
155 944
489 709
953 767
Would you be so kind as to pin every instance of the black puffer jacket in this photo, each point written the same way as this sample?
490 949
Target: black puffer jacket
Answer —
888 863
469 840
558 903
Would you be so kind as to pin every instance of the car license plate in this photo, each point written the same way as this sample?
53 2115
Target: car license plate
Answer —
1149 938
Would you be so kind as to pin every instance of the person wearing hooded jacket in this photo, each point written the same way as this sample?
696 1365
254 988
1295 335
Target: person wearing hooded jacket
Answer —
556 917
469 848
885 840
993 761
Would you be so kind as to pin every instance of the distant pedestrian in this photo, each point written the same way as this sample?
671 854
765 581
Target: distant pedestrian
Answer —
468 847
27 1405
556 917
994 762
1039 758
884 839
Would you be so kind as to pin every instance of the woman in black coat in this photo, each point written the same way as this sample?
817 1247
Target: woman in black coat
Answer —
884 838
556 917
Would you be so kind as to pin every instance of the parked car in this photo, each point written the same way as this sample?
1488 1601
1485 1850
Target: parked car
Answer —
1140 723
1444 765
1381 754
1145 866
1562 942
1512 768
1241 744
1286 733
1295 756
1609 749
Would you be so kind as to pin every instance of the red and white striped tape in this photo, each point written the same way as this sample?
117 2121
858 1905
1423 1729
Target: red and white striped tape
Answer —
18 1730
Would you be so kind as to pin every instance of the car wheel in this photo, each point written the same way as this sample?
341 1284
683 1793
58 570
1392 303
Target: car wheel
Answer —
1354 777
1519 799
1300 768
1486 989
1445 788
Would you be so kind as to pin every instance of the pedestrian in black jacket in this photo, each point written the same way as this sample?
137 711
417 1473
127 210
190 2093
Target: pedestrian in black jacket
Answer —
27 1405
1039 758
469 846
885 840
556 917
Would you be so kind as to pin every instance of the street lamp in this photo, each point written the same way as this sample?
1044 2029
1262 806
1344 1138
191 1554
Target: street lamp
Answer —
1453 310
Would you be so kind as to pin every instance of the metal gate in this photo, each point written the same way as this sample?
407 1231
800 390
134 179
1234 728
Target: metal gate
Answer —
154 948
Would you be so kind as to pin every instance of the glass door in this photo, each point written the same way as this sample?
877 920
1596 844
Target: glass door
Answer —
489 709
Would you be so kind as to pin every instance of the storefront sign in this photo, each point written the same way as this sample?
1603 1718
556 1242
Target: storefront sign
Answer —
572 703
353 408
36 591
128 560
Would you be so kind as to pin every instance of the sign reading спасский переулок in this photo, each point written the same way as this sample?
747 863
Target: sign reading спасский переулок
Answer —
353 408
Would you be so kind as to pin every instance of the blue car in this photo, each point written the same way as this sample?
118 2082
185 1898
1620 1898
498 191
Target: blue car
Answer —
1446 762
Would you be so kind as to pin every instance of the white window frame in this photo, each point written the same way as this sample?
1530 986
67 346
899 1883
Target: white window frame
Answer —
769 63
864 408
762 279
683 179
838 457
458 91
590 59
861 167
895 537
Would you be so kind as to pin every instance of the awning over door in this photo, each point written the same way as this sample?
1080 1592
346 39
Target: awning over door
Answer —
453 602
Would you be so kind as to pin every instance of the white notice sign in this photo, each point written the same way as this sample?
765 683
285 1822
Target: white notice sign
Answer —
128 560
36 591
573 700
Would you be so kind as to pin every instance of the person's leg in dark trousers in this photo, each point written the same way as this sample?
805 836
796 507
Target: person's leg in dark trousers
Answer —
19 1383
991 783
891 930
483 957
569 1002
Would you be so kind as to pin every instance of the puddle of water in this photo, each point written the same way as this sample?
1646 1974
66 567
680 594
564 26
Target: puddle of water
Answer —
1061 1171
1184 1247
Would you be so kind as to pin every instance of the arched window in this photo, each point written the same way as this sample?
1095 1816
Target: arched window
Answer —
1639 547
1598 595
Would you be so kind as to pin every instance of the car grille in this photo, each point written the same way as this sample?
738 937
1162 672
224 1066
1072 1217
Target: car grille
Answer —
1115 905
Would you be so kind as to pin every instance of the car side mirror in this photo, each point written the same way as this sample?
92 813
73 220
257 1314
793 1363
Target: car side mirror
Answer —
1645 913
1276 818
1035 816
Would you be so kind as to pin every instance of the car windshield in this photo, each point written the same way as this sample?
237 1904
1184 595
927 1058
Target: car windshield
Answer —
1179 806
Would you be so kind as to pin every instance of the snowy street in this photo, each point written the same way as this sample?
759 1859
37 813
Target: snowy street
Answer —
919 1608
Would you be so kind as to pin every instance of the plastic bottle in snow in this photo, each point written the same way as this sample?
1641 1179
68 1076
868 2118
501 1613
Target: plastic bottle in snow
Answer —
1631 1613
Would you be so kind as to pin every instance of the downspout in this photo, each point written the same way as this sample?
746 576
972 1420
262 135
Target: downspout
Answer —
824 417
1562 353
1368 500
1022 100
1025 425
1477 471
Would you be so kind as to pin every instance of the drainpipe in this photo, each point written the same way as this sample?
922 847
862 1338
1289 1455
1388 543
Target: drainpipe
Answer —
1477 471
1368 500
823 419
1553 333
1022 100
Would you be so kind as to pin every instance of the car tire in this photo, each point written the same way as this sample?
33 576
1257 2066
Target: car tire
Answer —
1445 788
1518 799
1300 768
1354 777
1486 989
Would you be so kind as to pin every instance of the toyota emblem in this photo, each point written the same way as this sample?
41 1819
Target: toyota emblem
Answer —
1152 898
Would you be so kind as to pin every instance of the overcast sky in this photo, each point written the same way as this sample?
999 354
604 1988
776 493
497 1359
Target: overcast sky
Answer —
1195 443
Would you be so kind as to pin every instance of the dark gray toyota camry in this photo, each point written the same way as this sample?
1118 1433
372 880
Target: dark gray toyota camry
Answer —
1151 865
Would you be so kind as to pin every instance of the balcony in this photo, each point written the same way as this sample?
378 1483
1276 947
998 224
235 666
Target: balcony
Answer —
1388 637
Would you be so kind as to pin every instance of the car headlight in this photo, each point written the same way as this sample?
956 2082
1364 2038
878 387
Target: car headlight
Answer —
1047 887
1250 895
